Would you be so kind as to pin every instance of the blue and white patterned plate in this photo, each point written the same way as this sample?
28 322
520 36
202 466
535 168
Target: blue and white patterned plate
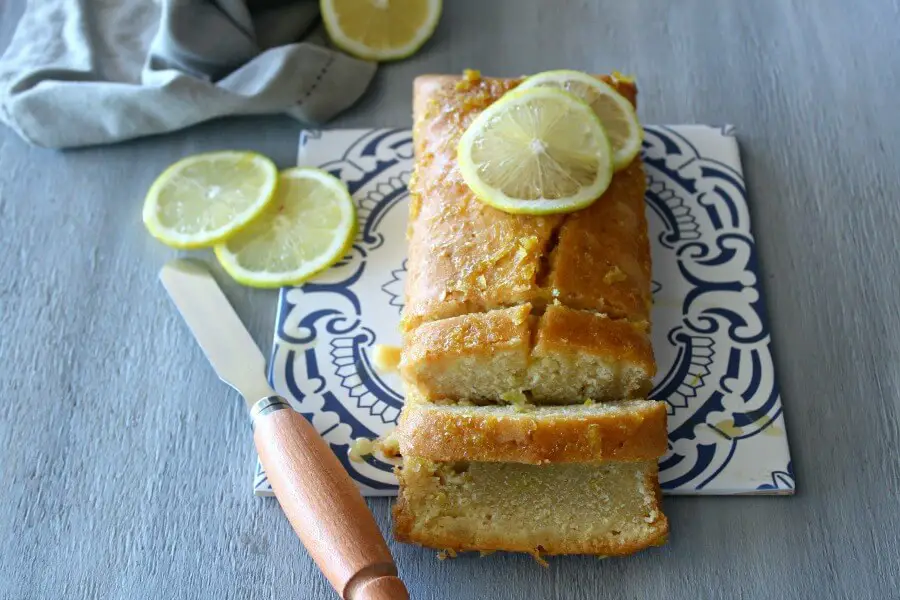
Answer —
710 336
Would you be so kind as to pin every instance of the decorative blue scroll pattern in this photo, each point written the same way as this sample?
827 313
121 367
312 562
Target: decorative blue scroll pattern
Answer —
326 329
710 332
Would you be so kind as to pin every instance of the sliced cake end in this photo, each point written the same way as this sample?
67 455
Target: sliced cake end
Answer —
604 509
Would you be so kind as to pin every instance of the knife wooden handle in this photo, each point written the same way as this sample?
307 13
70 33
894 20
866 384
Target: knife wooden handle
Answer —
323 505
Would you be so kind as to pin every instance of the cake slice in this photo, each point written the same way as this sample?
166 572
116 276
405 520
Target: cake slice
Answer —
610 508
630 430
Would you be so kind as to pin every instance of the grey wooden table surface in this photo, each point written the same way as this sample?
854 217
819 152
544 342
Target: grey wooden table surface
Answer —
126 465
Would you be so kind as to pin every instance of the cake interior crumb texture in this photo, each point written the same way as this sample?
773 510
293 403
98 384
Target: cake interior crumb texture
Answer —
609 508
563 356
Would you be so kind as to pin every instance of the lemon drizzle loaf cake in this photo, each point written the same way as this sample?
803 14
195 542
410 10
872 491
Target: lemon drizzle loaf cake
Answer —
514 309
553 306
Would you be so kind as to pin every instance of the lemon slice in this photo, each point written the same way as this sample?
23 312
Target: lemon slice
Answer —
380 29
614 110
307 228
536 151
203 199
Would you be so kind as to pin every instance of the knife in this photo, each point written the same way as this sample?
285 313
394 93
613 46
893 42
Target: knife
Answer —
316 494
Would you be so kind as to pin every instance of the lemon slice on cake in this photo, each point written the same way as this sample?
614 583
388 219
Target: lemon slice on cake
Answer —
536 151
380 29
203 199
614 110
308 227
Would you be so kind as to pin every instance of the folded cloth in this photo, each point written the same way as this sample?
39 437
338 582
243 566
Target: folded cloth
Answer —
84 72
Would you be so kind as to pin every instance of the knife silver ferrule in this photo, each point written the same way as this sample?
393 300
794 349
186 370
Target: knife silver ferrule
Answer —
268 405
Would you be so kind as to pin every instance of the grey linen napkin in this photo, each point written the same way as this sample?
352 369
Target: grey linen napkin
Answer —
84 72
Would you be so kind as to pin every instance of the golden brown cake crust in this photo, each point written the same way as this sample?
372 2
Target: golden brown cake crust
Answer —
478 335
625 431
602 259
465 256
566 330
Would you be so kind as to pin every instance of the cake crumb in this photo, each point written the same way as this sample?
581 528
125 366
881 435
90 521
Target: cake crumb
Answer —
445 554
386 358
518 399
388 444
360 448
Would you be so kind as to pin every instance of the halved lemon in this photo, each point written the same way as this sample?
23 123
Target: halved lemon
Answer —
536 151
380 29
204 198
308 227
614 110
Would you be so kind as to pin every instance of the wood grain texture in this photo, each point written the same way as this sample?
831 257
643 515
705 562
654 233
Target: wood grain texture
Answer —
126 469
324 507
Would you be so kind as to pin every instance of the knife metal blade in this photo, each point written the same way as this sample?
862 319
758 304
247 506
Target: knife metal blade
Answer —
221 334
320 500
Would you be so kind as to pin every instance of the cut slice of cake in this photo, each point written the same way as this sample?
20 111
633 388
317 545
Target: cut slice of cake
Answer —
610 508
630 430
